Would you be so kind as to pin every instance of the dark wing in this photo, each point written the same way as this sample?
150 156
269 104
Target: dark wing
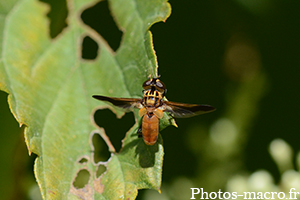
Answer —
182 110
125 103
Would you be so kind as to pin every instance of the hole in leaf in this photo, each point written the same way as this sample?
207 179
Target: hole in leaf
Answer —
98 17
101 169
115 128
89 48
100 149
83 161
57 15
81 179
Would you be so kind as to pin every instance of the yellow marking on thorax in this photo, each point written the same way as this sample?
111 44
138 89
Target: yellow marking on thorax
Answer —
152 98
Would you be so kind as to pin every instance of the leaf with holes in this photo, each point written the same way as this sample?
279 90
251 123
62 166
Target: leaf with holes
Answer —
50 91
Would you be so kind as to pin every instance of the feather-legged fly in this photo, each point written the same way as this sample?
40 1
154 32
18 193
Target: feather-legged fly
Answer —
152 107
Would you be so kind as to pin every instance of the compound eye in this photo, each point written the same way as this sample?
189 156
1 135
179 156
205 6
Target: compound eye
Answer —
147 84
160 85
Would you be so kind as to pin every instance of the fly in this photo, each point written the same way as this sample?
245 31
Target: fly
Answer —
152 106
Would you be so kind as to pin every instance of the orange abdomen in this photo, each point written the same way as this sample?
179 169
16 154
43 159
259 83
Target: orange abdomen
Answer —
150 128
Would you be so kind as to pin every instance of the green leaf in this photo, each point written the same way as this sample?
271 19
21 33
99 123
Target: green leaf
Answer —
50 89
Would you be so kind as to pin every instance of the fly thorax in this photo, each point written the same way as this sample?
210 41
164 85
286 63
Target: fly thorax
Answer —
152 98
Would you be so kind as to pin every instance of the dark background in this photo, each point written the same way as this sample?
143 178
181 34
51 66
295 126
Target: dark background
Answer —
194 48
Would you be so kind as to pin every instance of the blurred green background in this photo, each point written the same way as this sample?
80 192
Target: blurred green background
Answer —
241 56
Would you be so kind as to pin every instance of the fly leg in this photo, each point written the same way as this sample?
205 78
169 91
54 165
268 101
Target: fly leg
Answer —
142 112
139 131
